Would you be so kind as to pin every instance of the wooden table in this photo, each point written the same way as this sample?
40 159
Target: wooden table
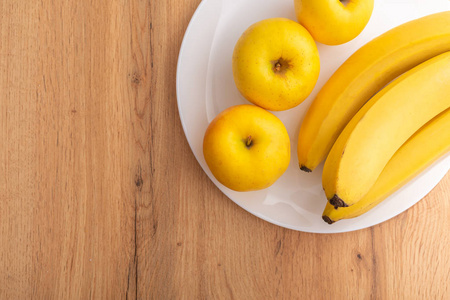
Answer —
101 196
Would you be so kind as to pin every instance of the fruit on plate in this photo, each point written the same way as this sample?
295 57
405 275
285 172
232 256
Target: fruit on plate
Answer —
428 144
368 70
379 129
246 148
276 64
334 22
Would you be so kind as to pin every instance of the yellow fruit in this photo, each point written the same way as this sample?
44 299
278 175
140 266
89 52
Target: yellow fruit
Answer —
427 145
378 130
334 22
276 64
246 148
362 75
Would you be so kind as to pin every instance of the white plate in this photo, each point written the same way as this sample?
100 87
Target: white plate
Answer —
205 87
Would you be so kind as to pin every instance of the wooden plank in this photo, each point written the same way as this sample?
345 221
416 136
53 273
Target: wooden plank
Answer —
412 249
18 46
69 153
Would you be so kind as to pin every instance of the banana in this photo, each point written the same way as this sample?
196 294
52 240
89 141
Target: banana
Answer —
428 144
378 130
368 70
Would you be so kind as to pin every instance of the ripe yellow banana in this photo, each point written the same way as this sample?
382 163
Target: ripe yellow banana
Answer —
427 145
379 129
362 75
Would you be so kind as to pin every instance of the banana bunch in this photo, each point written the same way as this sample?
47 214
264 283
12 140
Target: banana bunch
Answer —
382 117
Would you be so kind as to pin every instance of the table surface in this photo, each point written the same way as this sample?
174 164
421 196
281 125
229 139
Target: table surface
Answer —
101 196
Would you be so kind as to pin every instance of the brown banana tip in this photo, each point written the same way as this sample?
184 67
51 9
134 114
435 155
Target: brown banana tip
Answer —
327 219
337 202
303 168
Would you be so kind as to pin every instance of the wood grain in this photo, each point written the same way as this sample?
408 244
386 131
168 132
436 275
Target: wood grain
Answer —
102 198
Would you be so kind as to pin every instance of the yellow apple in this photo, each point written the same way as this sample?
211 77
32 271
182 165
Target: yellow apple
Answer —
246 148
276 64
334 22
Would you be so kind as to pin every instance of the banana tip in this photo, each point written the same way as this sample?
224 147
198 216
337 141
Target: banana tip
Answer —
327 219
304 168
337 202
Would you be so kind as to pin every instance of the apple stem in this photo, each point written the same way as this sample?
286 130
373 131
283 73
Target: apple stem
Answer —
249 141
277 67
